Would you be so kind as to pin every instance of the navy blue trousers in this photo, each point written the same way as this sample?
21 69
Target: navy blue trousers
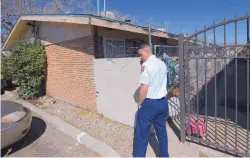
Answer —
152 111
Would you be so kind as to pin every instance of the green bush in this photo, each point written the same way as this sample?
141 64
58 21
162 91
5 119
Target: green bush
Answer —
26 64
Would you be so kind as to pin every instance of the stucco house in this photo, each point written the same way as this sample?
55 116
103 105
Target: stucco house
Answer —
92 61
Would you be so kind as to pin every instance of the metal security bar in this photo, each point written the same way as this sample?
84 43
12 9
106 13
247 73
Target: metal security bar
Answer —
115 50
214 84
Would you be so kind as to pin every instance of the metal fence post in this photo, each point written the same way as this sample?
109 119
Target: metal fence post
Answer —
149 37
182 86
154 50
248 35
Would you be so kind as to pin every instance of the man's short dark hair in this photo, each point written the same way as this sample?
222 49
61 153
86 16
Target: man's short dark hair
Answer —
145 46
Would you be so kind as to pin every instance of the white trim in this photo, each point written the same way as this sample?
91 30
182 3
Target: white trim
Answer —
18 21
87 20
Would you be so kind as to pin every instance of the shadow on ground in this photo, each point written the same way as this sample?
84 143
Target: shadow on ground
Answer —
174 124
38 127
153 142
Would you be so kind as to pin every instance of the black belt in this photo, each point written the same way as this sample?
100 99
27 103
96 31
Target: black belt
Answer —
157 99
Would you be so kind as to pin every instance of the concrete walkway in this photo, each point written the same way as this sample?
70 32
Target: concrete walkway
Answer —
178 149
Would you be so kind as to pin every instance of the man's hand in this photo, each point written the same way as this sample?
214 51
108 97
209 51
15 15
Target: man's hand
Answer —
139 106
142 94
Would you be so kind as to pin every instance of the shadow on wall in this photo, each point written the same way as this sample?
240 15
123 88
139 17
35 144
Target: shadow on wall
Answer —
226 124
218 100
136 96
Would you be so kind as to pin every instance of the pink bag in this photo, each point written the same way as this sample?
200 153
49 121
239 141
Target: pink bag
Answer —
193 130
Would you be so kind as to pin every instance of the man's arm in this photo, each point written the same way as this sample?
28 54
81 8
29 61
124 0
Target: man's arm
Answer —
142 94
144 80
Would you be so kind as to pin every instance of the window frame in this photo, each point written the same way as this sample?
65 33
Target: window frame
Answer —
115 39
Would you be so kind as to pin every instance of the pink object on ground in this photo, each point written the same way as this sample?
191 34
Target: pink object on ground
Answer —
197 127
207 82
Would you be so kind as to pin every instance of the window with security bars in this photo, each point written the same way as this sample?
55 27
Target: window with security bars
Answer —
120 48
114 48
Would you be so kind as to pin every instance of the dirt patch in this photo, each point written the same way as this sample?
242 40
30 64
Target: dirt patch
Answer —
34 102
14 91
116 135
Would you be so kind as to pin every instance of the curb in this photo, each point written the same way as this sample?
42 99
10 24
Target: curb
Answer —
81 137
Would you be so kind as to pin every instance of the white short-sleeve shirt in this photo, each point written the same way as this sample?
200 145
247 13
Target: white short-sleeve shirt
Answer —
153 73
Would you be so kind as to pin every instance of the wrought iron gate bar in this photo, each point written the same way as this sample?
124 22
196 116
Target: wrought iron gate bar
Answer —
182 84
236 88
197 100
215 100
225 36
236 102
248 79
242 57
206 95
218 25
248 35
204 68
219 146
188 101
200 103
214 34
225 99
217 46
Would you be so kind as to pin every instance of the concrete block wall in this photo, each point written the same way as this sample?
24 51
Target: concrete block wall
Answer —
117 83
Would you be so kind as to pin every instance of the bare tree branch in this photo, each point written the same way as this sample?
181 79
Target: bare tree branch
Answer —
58 5
12 9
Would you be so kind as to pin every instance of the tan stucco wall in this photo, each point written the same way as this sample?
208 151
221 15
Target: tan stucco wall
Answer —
117 80
58 32
116 83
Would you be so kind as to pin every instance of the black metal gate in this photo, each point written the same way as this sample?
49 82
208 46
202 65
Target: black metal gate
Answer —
214 84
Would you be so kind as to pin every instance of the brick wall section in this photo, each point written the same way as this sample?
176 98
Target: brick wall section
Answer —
70 75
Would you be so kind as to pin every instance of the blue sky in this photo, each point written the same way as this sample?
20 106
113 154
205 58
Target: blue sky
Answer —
183 16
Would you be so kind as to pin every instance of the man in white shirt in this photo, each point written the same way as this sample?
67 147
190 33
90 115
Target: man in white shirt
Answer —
152 104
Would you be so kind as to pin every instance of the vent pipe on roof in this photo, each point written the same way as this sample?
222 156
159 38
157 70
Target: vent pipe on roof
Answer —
104 8
98 7
149 36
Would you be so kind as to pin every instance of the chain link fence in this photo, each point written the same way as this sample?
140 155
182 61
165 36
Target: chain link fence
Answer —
169 55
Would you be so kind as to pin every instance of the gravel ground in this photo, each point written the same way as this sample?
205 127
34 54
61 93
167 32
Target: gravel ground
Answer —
116 135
